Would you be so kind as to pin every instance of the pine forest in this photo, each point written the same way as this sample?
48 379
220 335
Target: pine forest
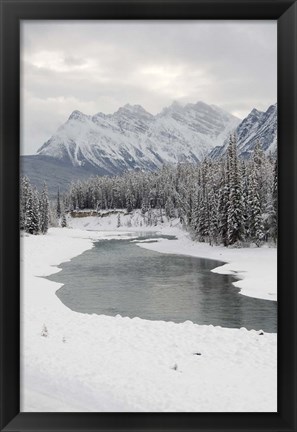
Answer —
229 201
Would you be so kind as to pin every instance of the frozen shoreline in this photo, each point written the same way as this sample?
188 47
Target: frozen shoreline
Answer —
255 267
100 363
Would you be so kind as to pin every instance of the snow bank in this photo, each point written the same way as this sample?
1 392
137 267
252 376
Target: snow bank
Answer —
108 220
257 267
98 363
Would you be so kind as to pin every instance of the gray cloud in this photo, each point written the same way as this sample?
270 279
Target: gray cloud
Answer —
73 61
101 65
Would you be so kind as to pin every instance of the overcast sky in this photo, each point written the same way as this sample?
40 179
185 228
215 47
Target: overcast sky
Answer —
101 65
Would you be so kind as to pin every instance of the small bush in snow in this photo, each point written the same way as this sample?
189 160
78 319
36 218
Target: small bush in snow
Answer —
44 331
119 221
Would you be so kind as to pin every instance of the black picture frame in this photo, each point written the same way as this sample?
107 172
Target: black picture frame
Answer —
12 11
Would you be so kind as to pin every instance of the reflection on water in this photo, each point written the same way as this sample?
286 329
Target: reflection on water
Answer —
118 277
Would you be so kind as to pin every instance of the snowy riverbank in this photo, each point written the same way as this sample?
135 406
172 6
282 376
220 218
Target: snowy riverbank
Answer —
98 363
255 267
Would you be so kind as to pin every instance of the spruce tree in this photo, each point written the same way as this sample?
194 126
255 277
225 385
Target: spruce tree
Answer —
169 208
203 222
274 220
245 198
44 210
256 222
118 220
58 209
196 211
31 218
223 207
129 201
24 193
144 205
63 220
213 218
235 220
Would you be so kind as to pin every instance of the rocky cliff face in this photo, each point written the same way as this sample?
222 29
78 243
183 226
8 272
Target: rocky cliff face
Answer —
256 126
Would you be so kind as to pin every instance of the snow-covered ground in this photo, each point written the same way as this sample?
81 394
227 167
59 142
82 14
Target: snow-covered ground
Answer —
79 362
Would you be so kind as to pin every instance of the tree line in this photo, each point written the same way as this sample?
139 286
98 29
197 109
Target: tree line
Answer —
227 201
34 208
37 212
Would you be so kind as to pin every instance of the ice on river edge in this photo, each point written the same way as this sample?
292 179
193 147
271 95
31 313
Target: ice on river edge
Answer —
98 363
256 267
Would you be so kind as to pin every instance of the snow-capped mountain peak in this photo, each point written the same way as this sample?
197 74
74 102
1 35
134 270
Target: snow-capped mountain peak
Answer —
255 112
78 115
174 107
257 126
133 138
133 109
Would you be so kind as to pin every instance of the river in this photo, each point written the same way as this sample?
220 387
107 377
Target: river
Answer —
119 277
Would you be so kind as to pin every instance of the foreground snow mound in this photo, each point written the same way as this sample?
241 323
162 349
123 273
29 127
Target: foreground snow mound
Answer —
80 362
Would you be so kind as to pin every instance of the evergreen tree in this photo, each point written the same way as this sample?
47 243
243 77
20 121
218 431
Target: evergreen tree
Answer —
63 220
256 222
203 226
245 198
144 205
119 220
129 201
274 203
149 217
213 219
258 166
24 194
196 211
223 208
169 208
235 219
31 218
58 210
44 210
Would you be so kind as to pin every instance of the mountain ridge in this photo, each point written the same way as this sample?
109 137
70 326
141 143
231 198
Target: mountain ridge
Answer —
256 126
134 121
133 138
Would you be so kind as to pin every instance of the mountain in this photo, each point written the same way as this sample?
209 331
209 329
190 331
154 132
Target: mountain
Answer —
256 126
132 138
54 172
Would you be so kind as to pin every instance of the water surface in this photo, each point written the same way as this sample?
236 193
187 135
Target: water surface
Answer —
119 277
